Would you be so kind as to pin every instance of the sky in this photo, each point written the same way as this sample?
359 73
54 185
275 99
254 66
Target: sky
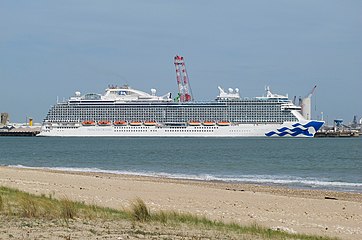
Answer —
51 49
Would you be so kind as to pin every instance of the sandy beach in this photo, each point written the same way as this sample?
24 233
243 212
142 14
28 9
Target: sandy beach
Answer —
301 211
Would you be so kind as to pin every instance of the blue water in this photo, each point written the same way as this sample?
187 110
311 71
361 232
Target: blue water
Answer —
318 163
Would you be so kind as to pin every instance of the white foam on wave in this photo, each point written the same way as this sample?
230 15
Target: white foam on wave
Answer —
88 170
262 179
292 180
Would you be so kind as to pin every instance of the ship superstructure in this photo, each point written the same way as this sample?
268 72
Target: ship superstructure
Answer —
124 111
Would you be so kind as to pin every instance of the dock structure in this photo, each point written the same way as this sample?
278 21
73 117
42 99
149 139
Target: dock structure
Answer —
340 130
28 129
337 134
20 132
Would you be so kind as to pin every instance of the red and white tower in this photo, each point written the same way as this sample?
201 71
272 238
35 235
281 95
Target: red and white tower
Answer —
184 88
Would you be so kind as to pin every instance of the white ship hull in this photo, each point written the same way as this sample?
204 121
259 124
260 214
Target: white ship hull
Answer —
290 129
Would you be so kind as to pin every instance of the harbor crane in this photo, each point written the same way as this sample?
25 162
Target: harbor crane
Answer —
184 88
311 92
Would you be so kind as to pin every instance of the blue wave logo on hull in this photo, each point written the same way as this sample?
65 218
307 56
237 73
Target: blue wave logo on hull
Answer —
306 130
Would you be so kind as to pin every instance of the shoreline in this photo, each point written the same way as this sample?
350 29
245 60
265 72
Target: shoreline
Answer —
178 177
224 185
296 210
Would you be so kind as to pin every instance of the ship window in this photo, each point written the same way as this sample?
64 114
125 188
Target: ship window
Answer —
92 96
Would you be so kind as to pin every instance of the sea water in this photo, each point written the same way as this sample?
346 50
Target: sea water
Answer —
318 163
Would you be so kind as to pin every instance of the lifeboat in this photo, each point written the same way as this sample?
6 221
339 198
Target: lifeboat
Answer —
104 123
149 123
208 123
120 123
223 123
88 123
135 123
194 123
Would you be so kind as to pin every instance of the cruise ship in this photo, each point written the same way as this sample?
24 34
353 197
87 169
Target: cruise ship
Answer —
127 112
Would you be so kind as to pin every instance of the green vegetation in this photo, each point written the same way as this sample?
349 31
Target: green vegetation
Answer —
20 204
139 211
17 203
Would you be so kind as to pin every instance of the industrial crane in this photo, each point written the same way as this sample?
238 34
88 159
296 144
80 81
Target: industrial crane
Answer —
184 88
311 92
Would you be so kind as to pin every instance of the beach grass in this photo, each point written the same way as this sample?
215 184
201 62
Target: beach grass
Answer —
15 203
139 211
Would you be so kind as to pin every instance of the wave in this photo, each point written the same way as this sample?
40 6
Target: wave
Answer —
258 179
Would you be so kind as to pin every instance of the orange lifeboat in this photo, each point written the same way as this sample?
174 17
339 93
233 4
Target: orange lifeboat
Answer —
135 123
120 123
104 123
208 123
149 123
88 123
223 123
194 123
